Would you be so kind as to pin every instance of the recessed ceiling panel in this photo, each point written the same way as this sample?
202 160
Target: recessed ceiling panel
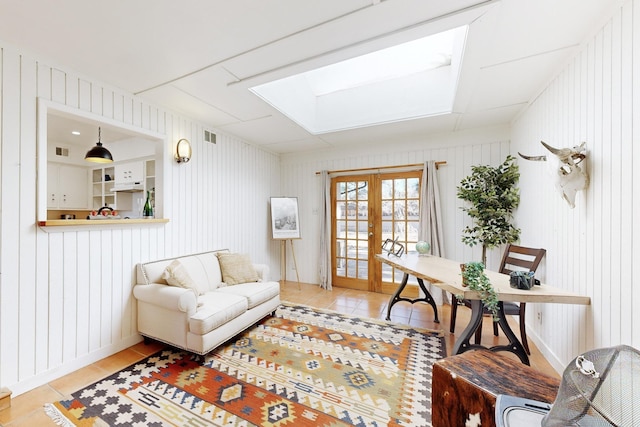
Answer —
190 105
515 82
267 130
212 87
498 116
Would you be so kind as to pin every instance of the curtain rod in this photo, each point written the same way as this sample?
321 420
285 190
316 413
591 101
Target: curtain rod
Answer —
438 164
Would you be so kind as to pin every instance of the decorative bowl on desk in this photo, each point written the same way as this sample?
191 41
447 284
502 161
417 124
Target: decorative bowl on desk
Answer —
423 248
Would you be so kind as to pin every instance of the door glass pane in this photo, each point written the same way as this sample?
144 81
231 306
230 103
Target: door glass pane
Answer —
363 210
341 193
413 188
399 188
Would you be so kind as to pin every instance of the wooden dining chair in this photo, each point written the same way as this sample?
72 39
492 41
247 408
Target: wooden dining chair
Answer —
515 258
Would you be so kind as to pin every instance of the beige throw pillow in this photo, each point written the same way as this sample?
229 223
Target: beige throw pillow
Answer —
236 268
176 275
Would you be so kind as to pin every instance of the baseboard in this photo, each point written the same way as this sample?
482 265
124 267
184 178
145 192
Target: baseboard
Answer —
553 360
43 378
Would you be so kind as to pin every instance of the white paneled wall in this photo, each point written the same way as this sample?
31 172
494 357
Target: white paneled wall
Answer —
65 297
592 249
460 151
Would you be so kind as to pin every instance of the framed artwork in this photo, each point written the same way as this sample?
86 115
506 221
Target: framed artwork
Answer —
285 222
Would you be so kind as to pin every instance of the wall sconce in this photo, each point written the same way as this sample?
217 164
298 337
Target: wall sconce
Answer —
98 154
183 151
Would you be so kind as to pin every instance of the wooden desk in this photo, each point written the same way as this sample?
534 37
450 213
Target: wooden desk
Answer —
445 274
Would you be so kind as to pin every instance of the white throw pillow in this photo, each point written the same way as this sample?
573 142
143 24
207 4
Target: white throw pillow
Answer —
236 268
176 275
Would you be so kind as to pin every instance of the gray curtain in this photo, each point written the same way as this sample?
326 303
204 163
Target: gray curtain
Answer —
431 220
325 231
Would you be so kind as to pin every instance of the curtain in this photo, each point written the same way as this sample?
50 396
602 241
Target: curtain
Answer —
431 220
325 231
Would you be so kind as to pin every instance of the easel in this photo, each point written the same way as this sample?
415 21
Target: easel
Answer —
283 260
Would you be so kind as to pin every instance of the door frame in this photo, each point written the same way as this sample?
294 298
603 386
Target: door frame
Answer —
373 283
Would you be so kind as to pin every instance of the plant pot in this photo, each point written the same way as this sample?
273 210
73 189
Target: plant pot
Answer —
464 281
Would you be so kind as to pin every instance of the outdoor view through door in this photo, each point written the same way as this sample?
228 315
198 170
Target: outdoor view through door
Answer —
367 210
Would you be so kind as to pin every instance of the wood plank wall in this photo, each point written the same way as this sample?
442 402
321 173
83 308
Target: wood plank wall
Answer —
65 297
593 248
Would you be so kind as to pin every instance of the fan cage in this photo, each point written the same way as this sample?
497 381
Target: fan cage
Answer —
608 397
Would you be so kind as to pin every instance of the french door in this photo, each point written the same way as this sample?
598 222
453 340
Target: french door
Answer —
367 210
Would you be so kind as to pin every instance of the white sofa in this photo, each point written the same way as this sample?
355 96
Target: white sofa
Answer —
185 302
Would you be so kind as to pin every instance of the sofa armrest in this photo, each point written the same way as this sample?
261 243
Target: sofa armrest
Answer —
170 297
263 271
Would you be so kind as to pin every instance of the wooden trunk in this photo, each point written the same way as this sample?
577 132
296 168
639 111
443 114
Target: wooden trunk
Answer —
465 387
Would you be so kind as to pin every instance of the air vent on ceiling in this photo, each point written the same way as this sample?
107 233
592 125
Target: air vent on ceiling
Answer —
62 151
209 137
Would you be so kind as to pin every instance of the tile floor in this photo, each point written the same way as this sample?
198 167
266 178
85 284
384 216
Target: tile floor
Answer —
27 409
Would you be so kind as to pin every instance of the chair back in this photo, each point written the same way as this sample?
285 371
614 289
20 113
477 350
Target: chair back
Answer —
520 258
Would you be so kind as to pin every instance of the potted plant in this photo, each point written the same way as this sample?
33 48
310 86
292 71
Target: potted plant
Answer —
493 196
474 277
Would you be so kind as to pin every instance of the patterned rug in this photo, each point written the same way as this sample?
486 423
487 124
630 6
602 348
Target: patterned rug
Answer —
303 367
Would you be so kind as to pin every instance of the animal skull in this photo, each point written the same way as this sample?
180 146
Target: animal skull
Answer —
568 176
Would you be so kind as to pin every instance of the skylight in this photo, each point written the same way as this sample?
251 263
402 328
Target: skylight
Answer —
408 81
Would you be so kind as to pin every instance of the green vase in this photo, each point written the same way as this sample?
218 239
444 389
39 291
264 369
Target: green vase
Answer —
147 211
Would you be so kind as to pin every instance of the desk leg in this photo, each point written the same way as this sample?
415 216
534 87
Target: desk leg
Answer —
463 343
515 346
427 298
395 297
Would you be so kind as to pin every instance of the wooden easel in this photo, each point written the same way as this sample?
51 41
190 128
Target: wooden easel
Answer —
283 260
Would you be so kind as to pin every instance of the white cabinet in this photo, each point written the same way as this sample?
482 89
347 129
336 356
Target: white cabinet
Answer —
67 186
129 173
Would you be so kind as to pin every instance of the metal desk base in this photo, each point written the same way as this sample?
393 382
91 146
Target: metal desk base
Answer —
463 343
427 298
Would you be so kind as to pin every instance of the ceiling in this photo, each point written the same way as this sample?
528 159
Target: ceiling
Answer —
199 58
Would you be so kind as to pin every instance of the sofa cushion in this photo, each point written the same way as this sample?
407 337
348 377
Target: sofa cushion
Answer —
203 268
215 310
255 293
236 268
176 275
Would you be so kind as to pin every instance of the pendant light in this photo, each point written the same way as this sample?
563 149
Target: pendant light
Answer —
99 154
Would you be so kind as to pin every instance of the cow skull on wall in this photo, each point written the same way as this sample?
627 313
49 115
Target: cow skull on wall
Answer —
568 176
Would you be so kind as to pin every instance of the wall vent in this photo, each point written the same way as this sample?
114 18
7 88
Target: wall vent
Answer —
209 137
62 152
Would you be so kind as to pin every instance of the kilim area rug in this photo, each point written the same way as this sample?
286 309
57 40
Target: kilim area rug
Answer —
302 367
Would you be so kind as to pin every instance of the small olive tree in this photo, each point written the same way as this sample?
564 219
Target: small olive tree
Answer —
493 196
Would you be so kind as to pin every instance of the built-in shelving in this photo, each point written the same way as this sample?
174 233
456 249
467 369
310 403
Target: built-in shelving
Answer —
102 181
106 179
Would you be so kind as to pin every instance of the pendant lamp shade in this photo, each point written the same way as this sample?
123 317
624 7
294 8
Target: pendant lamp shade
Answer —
98 154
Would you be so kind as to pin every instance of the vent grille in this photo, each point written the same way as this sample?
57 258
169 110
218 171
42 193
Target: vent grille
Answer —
62 152
209 137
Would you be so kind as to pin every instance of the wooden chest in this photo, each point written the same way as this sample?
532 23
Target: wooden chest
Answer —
465 387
